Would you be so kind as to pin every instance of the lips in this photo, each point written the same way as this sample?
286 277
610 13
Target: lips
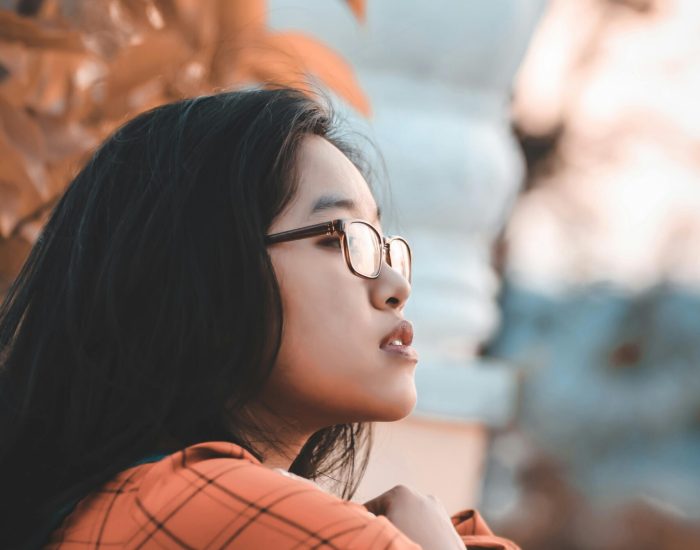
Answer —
403 332
404 352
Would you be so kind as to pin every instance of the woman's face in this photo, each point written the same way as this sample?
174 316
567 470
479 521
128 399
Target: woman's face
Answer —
332 367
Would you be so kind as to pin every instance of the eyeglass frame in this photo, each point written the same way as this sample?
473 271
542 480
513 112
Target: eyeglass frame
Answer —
337 227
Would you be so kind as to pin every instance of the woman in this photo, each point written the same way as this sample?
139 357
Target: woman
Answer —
206 323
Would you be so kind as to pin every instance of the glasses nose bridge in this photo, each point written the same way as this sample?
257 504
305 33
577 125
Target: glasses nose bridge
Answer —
386 249
384 245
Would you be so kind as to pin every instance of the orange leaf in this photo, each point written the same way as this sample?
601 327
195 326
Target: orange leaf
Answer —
51 88
9 204
318 60
68 144
23 150
15 59
13 253
237 17
260 60
18 195
199 23
239 24
22 130
30 230
159 55
359 8
149 14
33 34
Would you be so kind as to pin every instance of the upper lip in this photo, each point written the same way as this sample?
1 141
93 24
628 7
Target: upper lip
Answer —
403 331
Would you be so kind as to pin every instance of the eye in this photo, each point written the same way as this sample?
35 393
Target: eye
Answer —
330 243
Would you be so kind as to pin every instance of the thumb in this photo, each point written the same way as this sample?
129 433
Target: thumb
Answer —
378 505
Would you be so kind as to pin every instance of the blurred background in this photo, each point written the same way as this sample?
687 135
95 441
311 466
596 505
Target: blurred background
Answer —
543 159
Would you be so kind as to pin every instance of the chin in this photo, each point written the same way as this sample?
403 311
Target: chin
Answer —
396 409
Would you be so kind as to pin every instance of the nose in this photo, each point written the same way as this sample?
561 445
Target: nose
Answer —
390 289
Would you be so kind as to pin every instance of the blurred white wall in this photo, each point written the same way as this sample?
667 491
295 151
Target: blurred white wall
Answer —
438 75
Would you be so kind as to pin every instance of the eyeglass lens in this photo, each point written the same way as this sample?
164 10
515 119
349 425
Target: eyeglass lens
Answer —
400 257
364 247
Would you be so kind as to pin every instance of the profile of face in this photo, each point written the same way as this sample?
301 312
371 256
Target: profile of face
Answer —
332 367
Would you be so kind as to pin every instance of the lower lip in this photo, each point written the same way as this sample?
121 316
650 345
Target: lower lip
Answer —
407 352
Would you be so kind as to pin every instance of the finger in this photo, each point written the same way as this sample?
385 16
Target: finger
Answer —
378 505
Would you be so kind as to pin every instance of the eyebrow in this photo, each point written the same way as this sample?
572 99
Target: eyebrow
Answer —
329 202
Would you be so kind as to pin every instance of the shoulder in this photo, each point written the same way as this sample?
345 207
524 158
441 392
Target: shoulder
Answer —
216 494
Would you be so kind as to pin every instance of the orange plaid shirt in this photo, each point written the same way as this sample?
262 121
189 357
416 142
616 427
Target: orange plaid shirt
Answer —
218 495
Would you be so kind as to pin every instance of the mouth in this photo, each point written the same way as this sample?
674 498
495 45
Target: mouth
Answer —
398 342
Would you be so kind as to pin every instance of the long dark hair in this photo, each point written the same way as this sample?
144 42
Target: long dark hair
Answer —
148 309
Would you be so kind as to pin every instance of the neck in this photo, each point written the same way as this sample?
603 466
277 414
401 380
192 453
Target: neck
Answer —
283 441
279 458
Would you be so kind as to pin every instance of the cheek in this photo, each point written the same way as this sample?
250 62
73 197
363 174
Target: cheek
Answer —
323 383
330 368
327 332
326 308
319 307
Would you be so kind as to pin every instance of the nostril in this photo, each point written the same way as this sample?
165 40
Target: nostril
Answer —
393 301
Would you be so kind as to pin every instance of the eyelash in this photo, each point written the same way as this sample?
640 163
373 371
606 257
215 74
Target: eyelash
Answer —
330 242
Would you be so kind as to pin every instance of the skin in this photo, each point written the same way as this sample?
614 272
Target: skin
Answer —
330 368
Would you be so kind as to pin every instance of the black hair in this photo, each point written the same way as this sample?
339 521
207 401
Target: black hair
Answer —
148 309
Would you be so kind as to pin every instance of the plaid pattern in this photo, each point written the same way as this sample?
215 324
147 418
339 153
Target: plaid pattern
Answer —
218 495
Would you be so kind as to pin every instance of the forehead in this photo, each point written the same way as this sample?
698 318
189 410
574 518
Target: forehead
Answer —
330 185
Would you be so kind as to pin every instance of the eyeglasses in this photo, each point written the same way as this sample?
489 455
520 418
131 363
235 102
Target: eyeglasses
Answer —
363 247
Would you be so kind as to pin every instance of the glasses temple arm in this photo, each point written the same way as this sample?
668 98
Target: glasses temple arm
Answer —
327 228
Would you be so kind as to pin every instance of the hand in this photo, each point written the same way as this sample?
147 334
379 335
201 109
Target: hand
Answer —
421 518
